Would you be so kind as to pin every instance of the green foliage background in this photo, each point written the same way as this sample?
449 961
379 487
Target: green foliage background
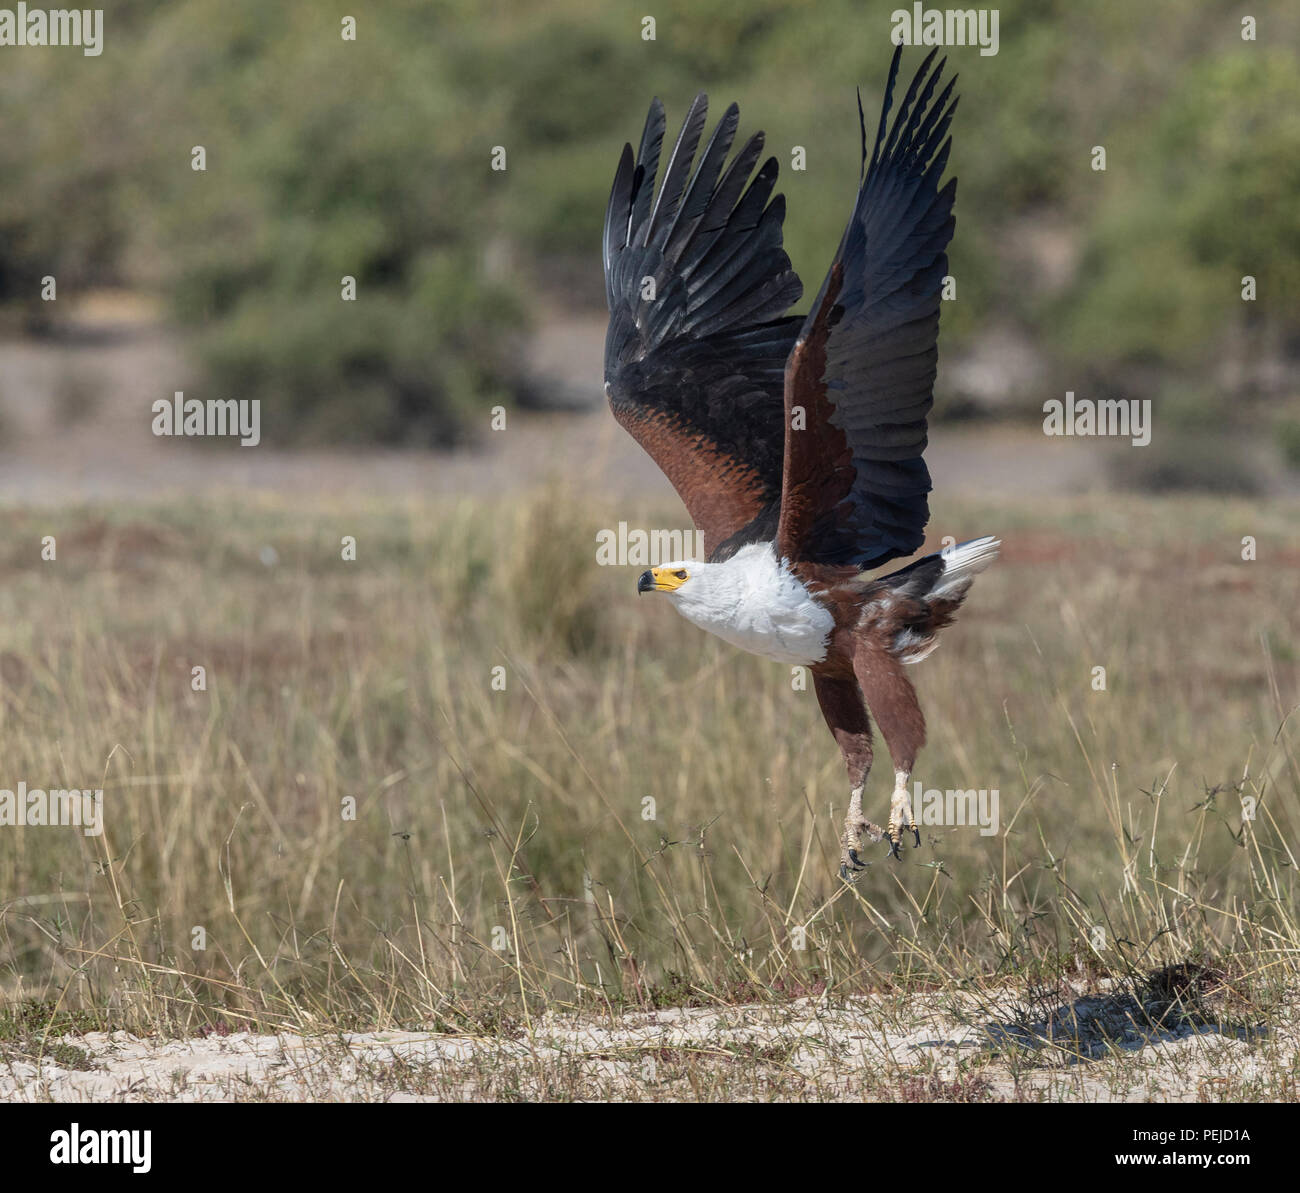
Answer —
372 159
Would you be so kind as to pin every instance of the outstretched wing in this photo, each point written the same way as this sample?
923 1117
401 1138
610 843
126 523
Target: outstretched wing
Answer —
695 353
860 380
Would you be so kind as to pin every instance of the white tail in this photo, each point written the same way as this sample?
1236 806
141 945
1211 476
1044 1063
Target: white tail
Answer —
963 562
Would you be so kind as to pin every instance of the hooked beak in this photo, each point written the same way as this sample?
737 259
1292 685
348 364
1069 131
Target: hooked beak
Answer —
661 580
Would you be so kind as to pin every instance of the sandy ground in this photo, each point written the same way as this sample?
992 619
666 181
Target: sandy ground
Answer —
1088 1048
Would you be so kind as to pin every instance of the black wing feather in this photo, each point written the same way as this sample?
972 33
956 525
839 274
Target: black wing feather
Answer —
664 213
881 352
702 362
647 163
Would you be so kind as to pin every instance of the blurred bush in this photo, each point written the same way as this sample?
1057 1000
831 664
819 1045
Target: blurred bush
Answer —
1188 461
1214 201
371 159
326 159
1288 436
331 159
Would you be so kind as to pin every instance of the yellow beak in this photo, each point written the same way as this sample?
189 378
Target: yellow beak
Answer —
659 580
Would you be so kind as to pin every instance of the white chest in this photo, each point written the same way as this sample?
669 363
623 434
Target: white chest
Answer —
755 604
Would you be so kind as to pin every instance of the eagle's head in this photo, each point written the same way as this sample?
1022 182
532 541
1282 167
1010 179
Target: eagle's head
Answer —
705 593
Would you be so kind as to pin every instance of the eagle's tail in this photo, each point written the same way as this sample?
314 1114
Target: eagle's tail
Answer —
933 589
962 563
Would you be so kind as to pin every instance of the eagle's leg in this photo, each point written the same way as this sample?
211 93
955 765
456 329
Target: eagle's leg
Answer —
856 826
846 715
900 814
892 700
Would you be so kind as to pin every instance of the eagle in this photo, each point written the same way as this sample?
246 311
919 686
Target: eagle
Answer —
796 442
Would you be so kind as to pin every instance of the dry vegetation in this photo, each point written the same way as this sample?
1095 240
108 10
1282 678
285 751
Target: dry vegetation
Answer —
500 886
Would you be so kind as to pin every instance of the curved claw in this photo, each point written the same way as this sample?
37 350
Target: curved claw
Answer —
858 865
916 832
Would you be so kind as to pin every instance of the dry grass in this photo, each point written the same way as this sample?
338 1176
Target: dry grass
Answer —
501 866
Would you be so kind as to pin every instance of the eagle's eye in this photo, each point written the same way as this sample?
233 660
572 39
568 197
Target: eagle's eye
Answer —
680 573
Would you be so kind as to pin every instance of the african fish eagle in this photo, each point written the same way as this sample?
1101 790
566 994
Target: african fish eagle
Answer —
796 442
